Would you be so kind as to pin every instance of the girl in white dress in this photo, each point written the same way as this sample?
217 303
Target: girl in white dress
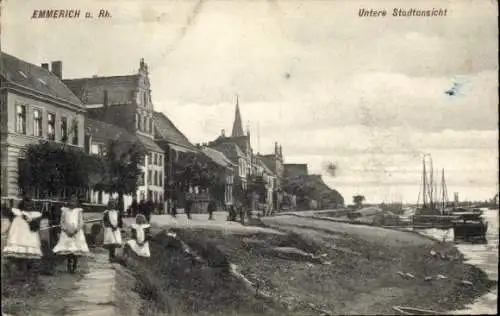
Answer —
141 234
72 241
23 237
112 220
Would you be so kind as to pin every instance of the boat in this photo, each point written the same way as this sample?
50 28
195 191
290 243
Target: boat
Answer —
404 310
470 225
432 214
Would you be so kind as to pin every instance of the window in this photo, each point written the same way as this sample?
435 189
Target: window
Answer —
155 178
143 124
21 119
155 159
160 160
151 125
37 123
64 129
160 178
150 159
94 149
144 99
75 132
150 176
51 126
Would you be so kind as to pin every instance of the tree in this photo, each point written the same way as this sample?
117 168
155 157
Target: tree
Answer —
56 170
358 200
121 168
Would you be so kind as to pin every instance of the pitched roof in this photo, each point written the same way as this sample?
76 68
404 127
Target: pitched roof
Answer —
120 89
243 142
230 150
265 167
269 162
295 169
149 143
36 78
218 157
166 130
106 131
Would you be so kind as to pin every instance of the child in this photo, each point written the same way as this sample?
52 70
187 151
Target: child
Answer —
141 234
23 237
112 235
72 241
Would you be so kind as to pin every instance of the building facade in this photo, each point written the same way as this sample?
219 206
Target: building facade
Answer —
98 134
36 106
225 169
125 101
177 148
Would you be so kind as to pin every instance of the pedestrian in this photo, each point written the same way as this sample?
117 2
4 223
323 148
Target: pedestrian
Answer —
72 241
232 213
211 208
150 208
54 217
23 236
140 237
188 206
174 208
113 222
133 208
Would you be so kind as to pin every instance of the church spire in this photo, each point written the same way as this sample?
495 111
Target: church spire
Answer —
237 125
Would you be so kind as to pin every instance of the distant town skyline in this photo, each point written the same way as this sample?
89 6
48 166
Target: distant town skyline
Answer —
367 94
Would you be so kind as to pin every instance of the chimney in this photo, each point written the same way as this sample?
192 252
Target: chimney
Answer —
57 68
281 152
276 148
223 133
45 66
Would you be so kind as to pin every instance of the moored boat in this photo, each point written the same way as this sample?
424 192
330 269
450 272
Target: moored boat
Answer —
469 225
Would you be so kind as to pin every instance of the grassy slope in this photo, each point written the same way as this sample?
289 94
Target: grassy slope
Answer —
361 278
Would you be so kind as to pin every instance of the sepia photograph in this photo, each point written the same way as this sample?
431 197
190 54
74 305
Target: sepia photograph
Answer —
249 157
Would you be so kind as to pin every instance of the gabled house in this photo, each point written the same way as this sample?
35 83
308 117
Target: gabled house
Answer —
125 101
269 178
225 169
36 106
98 134
177 148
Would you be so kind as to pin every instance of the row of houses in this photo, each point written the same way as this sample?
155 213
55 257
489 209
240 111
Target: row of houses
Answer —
37 104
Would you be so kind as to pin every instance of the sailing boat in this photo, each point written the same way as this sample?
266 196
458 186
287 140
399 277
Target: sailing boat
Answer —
431 213
428 189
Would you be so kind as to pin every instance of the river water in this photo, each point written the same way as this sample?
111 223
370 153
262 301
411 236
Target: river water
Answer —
483 256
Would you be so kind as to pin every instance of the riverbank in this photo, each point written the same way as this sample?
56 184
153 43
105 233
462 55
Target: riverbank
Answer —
294 266
305 272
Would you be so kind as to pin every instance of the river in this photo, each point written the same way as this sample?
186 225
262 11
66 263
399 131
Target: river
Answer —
483 256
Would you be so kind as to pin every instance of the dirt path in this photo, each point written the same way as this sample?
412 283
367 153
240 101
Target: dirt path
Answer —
374 234
88 292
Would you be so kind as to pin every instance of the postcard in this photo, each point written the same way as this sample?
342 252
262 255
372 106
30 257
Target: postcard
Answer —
270 157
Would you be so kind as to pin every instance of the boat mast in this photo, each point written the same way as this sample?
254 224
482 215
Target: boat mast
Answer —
445 190
424 193
431 185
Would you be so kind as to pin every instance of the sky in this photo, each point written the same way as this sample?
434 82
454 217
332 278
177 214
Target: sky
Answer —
366 94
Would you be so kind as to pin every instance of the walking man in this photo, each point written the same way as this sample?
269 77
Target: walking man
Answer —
188 205
211 208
